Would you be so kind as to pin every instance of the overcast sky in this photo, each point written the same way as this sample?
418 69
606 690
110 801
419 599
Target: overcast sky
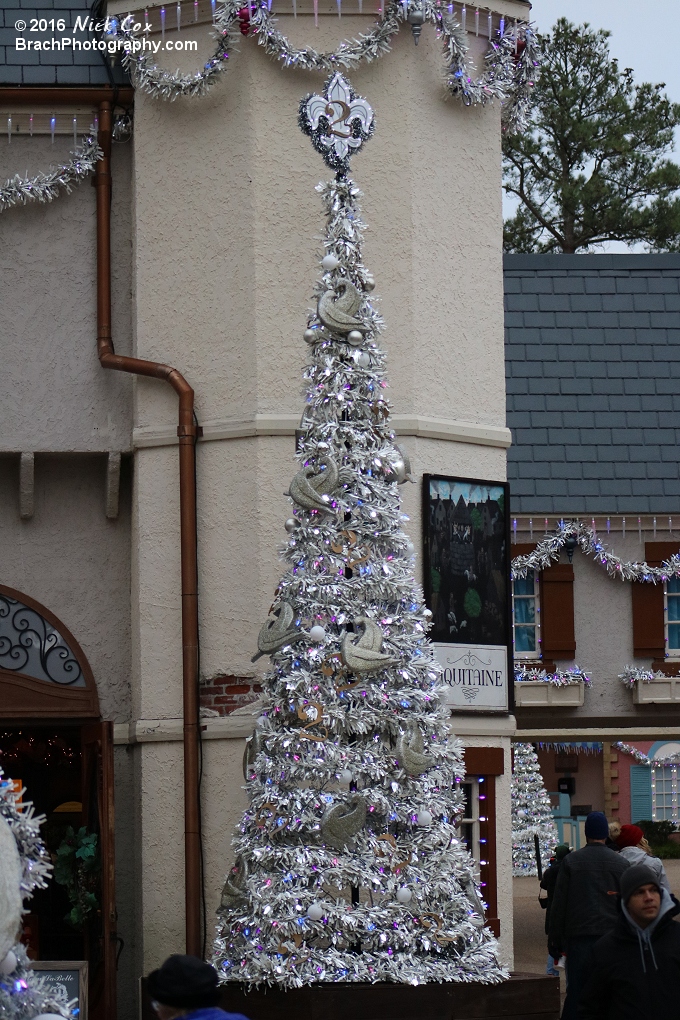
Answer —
644 38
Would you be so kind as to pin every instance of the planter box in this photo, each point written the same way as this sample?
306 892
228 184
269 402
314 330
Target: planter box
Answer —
660 691
538 694
524 996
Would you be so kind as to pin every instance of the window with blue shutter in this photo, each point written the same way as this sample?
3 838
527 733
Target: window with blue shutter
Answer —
640 793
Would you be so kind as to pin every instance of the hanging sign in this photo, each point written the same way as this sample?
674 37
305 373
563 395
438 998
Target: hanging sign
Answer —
467 588
476 676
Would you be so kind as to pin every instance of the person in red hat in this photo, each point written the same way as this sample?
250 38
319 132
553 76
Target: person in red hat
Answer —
186 987
635 848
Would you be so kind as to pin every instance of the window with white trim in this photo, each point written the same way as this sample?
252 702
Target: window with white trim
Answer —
665 793
672 617
526 610
468 825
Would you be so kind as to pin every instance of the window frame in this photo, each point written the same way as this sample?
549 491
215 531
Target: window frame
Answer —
673 778
528 656
670 653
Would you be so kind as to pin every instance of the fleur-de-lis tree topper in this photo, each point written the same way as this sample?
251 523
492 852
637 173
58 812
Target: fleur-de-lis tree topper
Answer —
338 122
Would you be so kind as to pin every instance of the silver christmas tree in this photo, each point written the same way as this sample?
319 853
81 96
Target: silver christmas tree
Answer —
24 866
531 814
348 863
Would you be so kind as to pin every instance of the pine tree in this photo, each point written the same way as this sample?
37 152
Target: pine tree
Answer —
349 865
24 866
593 165
531 814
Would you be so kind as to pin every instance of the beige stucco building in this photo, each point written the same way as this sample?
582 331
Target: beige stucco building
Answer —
215 250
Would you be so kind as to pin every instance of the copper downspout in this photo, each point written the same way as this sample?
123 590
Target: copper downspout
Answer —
187 431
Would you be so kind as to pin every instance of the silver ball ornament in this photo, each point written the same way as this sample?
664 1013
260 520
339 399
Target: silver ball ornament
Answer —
317 633
363 360
330 262
310 336
290 525
355 337
315 911
346 776
410 549
404 894
370 283
424 818
9 964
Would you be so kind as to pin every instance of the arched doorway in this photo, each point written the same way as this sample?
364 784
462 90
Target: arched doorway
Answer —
53 742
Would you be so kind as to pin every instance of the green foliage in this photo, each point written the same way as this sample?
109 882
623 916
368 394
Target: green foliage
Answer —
77 867
476 518
657 834
592 165
472 604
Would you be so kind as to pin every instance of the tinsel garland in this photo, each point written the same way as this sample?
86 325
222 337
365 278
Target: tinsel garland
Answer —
44 187
511 61
560 678
548 551
642 759
25 826
348 865
531 813
632 674
23 993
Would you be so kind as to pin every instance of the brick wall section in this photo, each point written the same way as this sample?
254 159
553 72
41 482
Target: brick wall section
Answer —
224 694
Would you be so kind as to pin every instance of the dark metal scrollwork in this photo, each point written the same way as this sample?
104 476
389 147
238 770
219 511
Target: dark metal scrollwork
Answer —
30 645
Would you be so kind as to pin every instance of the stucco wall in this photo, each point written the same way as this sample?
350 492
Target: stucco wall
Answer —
74 561
603 621
54 396
226 228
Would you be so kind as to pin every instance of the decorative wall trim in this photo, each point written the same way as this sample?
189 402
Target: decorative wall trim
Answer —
240 724
422 426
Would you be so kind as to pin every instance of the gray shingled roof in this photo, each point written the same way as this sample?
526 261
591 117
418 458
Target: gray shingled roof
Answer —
50 67
593 382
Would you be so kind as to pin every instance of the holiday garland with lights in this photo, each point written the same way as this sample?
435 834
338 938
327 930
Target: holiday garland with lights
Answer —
46 186
348 862
531 814
578 534
510 64
24 867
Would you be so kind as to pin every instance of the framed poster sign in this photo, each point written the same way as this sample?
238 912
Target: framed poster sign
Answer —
68 974
466 578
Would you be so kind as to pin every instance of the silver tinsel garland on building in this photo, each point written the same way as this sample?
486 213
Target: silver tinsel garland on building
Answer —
510 65
548 551
531 814
24 867
643 759
560 678
44 187
348 865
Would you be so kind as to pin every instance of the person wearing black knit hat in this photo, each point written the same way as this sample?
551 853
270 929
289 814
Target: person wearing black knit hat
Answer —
635 970
585 905
186 987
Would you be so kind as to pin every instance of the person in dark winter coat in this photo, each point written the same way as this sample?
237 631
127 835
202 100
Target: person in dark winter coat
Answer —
549 880
585 905
186 987
635 970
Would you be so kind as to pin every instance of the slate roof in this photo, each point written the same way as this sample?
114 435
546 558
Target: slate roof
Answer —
50 67
593 382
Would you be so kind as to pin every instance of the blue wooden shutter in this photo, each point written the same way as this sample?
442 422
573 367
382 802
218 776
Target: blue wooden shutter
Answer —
640 793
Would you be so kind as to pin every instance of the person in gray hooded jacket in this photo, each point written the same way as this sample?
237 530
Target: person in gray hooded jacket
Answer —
634 972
